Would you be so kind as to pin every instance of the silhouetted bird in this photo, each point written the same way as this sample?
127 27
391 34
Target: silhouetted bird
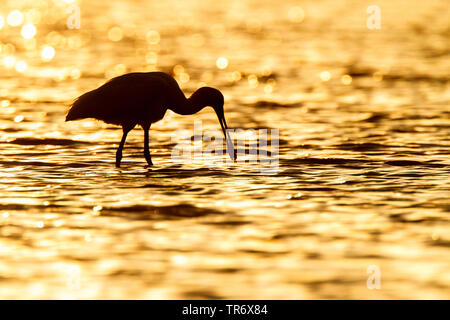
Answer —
142 99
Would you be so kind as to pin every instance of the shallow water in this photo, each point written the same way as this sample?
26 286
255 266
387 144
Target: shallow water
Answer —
364 155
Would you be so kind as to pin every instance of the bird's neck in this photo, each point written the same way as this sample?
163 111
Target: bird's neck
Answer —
188 106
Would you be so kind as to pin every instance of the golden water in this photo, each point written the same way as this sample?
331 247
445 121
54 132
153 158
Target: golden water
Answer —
364 152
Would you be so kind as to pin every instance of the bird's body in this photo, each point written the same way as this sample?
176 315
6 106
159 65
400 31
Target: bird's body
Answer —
142 99
130 98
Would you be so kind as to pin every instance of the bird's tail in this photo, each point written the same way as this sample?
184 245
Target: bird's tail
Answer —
79 109
71 114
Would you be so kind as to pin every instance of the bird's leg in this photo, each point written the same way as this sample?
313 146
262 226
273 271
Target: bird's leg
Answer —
122 143
147 155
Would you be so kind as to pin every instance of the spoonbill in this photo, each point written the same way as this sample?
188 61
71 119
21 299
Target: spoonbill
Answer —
142 98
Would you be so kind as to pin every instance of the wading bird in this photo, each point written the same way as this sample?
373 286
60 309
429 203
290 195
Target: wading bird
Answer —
142 99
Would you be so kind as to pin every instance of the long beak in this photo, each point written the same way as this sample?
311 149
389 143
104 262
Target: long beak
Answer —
223 124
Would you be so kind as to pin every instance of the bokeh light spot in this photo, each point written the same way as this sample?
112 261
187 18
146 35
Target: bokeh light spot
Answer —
222 63
15 18
19 118
21 66
325 76
177 69
75 74
296 14
253 81
346 79
151 58
47 53
9 61
28 31
153 37
115 34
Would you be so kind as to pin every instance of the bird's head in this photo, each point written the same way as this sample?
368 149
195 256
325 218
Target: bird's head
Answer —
207 96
